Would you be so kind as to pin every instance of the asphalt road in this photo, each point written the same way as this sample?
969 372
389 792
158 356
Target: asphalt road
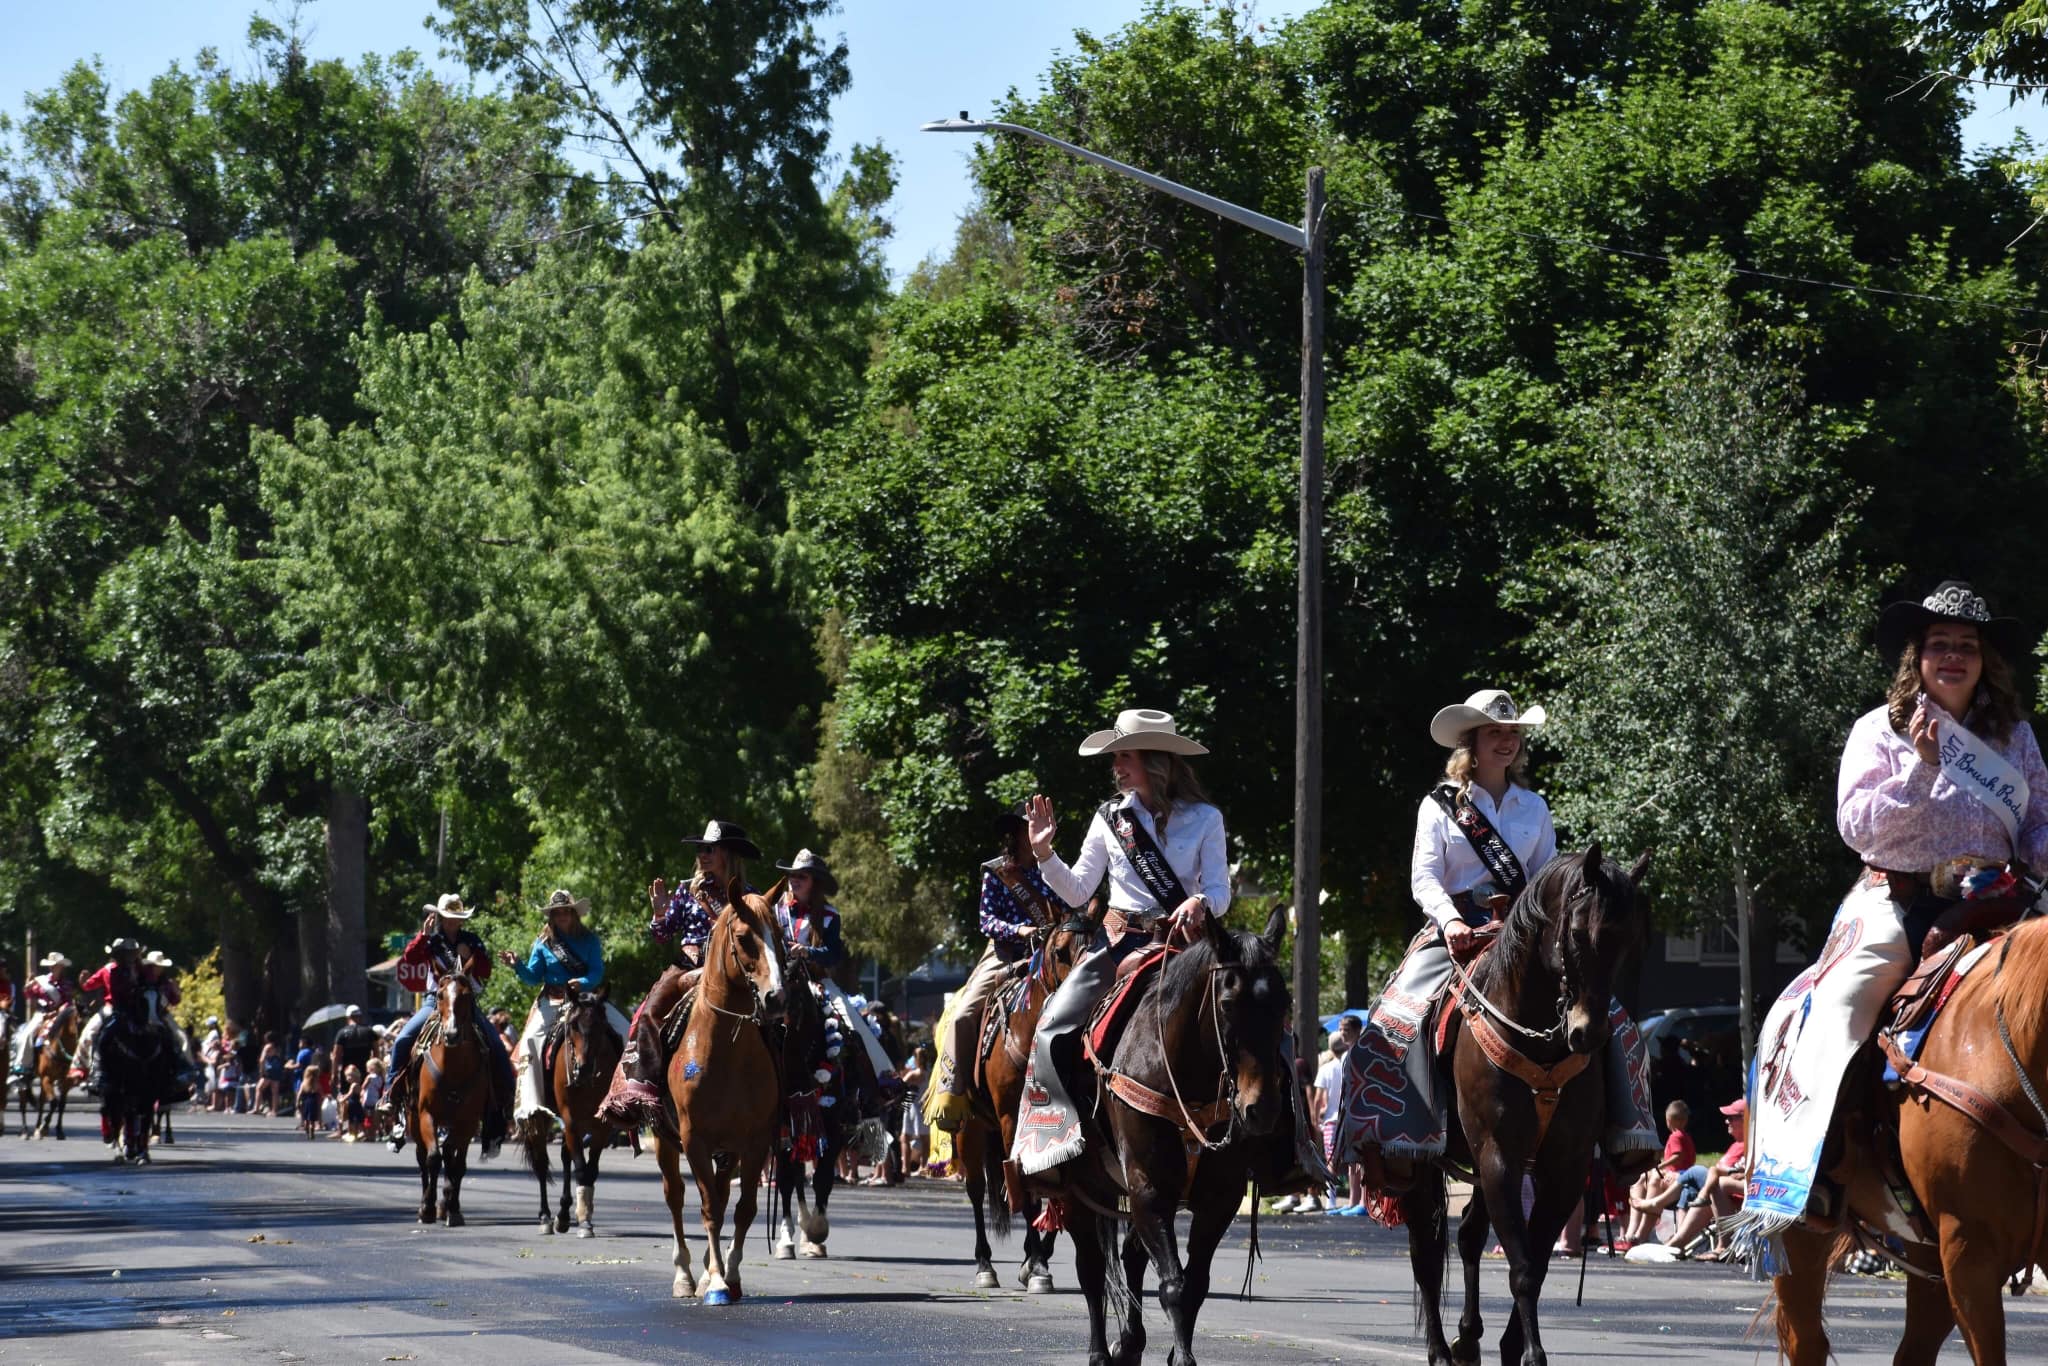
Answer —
247 1243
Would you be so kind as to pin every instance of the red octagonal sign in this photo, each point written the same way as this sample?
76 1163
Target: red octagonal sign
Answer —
412 976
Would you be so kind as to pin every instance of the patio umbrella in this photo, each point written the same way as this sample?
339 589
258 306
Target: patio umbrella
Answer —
1330 1021
325 1015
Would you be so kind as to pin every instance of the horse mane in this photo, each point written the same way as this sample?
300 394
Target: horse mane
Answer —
1521 934
2023 984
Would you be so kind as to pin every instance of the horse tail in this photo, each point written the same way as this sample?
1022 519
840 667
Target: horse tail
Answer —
998 1197
535 1147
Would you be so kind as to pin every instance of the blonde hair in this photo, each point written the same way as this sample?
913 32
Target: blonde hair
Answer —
1459 768
1171 780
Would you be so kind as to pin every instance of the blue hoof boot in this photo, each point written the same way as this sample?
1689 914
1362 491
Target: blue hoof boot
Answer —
718 1297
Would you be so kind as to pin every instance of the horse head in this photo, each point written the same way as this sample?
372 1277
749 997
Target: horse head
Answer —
1250 1003
456 995
1595 920
746 951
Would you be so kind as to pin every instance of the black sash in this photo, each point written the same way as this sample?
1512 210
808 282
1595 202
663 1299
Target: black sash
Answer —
1500 861
1020 889
568 957
1151 865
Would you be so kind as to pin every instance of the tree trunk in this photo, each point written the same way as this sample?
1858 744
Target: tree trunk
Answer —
1745 912
241 971
348 842
312 992
1358 984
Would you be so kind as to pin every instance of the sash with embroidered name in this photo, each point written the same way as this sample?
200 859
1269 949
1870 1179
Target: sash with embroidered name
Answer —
1499 860
1984 773
1021 891
1146 859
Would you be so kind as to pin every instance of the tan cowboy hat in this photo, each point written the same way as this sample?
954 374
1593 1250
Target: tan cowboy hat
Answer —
450 907
54 959
1487 707
808 862
155 958
1140 728
560 897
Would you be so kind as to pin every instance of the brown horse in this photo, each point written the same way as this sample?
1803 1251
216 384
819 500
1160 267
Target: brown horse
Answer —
577 1078
994 1095
50 1078
1192 1092
725 1089
1523 1052
448 1104
1982 1185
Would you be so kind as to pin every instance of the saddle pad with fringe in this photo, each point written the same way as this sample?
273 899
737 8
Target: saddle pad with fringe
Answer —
1912 1032
1123 994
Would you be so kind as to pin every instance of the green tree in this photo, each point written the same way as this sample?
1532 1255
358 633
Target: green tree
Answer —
1705 648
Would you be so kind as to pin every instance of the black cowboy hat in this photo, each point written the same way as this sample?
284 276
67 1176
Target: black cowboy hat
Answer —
1954 600
1012 818
808 862
727 834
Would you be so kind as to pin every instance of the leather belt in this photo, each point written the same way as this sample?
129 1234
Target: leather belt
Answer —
1120 923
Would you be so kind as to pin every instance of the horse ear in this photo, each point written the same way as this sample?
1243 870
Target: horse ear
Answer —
1641 869
1589 865
775 893
1276 928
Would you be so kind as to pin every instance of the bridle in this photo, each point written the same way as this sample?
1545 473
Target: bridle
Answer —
1567 978
729 950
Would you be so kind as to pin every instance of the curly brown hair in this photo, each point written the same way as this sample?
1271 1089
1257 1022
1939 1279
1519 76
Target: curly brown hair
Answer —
1994 711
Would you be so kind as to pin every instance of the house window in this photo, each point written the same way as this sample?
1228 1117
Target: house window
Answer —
1715 946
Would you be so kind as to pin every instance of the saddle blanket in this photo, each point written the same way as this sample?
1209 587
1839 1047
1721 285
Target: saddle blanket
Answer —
1130 978
1911 1040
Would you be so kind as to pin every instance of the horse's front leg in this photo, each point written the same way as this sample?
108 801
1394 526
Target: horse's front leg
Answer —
971 1146
1212 1205
743 1216
1155 1230
430 1176
1423 1210
1558 1183
1091 1268
1472 1231
713 1186
666 1156
586 1184
1130 1342
570 1166
454 1162
782 1205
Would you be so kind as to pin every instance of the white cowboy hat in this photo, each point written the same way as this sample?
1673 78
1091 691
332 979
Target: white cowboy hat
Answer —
53 958
1487 707
212 1020
450 907
1140 728
155 957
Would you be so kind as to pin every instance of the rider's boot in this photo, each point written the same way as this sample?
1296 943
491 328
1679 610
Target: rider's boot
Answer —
951 1114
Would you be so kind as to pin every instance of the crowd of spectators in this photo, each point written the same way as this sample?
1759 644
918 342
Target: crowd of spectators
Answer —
328 1089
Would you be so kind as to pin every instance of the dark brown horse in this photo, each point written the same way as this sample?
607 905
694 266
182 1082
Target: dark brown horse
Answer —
1523 1053
1983 1185
577 1077
725 1092
448 1104
994 1095
1192 1091
50 1079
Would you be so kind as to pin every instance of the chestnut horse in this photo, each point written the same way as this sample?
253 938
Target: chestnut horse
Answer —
1202 1043
725 1089
50 1078
577 1078
994 1096
1538 1000
454 1089
1985 1197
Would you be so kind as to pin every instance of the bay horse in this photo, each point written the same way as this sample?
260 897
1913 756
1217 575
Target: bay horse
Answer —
994 1095
454 1089
1522 1044
812 1130
578 1074
1981 1181
1203 1044
725 1091
50 1079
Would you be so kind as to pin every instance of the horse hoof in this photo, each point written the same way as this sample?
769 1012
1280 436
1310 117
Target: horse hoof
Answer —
585 1231
719 1297
547 1226
986 1280
1040 1284
785 1252
455 1219
683 1288
561 1223
811 1249
426 1216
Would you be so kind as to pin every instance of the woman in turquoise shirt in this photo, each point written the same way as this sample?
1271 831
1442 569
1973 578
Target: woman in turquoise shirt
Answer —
568 956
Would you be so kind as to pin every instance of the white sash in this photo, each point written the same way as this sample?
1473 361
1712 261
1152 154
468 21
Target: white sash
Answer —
1984 773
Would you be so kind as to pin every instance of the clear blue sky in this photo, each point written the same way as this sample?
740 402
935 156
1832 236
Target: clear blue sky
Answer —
912 60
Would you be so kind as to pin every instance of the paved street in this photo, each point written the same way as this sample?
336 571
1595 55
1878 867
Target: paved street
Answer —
246 1243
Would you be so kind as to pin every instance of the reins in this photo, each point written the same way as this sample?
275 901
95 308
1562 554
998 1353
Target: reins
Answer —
1469 990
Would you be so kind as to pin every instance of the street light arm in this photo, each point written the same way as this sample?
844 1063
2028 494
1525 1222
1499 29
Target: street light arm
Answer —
1290 233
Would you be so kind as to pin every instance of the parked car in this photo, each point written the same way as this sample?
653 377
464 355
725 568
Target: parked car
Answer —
1696 1056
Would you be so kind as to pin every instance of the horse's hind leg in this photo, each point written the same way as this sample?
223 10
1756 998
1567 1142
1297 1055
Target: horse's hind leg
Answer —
1472 1231
1801 1288
1091 1268
1423 1207
1130 1341
666 1157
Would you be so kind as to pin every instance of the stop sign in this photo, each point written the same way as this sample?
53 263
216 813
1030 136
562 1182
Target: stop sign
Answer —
412 977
